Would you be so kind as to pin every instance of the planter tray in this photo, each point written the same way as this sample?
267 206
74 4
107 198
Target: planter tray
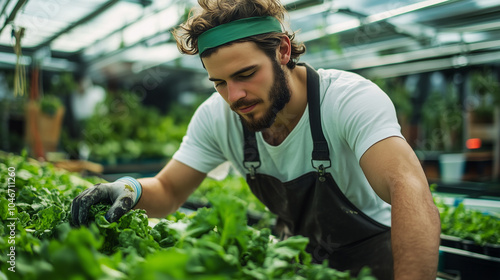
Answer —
489 250
469 265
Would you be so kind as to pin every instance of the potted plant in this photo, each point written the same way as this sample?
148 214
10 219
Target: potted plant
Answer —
44 119
484 97
51 117
442 121
45 113
483 113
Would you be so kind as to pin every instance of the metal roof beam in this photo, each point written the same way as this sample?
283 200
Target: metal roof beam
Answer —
142 41
13 14
4 7
416 31
301 4
357 61
118 30
438 64
83 20
363 20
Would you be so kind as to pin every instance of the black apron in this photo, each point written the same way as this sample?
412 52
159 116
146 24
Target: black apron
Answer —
313 206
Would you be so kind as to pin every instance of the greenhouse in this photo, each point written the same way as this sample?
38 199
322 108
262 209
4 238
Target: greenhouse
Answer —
242 139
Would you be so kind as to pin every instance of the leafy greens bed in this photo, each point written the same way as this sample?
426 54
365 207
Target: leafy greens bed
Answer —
122 129
234 185
211 243
469 224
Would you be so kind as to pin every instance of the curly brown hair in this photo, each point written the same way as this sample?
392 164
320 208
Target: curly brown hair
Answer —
217 12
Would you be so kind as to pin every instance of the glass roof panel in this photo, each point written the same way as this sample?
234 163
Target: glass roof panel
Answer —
114 18
151 55
151 25
403 26
44 19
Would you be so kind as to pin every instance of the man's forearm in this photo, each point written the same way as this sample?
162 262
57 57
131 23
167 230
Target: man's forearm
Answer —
169 189
156 199
415 235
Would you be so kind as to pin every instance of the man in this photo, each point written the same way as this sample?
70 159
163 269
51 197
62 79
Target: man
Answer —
322 149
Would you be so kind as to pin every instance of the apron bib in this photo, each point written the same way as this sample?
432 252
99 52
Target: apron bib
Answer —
313 206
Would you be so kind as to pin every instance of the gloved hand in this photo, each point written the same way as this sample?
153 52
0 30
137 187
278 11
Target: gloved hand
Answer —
123 194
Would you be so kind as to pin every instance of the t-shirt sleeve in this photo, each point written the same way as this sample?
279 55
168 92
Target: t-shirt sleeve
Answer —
199 149
366 116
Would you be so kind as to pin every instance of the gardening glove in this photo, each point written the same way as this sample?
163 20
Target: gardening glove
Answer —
123 194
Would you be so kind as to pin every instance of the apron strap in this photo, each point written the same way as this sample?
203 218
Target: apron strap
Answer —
251 158
320 154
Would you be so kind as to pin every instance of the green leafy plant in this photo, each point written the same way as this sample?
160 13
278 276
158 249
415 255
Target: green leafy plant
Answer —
443 121
469 224
211 243
63 84
122 129
485 90
49 104
234 185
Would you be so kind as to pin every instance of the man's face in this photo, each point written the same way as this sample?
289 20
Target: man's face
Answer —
252 84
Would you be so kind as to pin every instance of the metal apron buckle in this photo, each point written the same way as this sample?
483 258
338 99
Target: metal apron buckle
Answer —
321 167
251 166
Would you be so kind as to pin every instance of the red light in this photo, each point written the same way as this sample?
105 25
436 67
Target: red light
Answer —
473 143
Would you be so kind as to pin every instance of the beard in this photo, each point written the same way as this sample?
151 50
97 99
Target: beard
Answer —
279 96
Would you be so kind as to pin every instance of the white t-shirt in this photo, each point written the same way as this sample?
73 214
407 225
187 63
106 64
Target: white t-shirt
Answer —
355 114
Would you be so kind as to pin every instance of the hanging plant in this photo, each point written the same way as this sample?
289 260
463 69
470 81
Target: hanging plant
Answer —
49 105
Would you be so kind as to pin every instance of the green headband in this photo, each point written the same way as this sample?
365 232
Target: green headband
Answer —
237 29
